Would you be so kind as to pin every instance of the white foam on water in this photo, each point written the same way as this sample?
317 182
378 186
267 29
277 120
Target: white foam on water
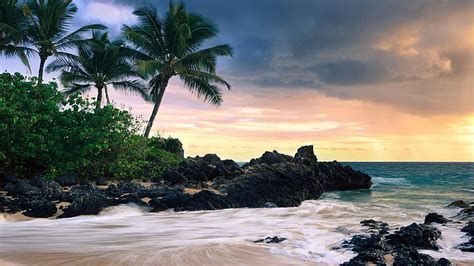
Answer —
314 231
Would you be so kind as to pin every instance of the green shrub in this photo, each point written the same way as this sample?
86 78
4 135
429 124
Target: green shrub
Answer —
43 133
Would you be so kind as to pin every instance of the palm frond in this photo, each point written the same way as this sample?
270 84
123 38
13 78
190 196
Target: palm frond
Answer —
135 87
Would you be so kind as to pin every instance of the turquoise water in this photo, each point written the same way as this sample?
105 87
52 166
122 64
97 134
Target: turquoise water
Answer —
414 185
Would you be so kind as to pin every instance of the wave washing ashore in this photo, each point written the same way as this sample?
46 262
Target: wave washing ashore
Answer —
315 232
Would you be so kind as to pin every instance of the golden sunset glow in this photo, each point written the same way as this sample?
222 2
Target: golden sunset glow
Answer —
398 86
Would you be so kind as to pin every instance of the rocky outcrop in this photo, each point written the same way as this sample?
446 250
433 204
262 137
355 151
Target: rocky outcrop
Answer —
270 158
284 184
469 230
402 245
435 218
335 176
273 180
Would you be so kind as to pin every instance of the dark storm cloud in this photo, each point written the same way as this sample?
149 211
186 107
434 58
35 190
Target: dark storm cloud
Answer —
325 44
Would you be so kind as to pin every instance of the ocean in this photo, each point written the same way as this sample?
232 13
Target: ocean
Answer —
402 193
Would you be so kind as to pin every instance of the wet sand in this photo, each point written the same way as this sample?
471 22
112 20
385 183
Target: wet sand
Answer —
221 254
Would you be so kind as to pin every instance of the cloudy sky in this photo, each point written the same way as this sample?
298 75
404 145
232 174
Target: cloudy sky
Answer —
361 80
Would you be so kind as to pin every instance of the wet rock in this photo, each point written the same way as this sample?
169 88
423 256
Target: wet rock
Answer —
361 243
68 180
206 200
174 177
416 236
467 246
469 228
371 223
459 204
367 256
412 257
41 209
85 200
169 201
270 158
435 218
271 240
284 184
335 176
443 262
269 205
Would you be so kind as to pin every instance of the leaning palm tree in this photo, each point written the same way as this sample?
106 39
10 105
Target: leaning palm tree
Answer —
44 30
170 46
99 64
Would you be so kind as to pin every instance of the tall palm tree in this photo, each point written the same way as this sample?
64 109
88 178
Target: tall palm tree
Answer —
99 64
171 46
44 31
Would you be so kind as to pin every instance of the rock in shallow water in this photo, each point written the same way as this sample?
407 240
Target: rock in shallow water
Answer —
271 240
435 218
417 236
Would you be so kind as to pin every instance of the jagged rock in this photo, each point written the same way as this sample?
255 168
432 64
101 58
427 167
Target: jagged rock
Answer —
412 257
360 243
212 158
174 177
270 158
380 226
206 200
271 240
367 256
467 246
41 209
169 201
68 180
85 200
305 155
284 184
335 176
435 218
417 236
469 228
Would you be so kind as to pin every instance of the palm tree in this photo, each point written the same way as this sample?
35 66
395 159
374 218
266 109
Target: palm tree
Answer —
11 21
44 31
171 47
99 64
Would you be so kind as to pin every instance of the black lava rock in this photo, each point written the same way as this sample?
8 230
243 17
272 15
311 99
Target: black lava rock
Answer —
271 240
435 218
174 177
416 236
41 209
68 180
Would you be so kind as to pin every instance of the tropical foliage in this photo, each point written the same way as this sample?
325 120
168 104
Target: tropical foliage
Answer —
41 29
43 133
50 133
171 46
100 64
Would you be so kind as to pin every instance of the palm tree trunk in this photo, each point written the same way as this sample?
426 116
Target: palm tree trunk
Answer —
99 98
158 99
41 69
107 96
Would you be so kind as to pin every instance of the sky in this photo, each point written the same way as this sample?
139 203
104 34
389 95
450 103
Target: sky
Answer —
360 80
